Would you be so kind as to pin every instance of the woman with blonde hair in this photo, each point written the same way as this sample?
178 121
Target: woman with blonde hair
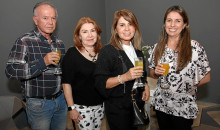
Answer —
114 83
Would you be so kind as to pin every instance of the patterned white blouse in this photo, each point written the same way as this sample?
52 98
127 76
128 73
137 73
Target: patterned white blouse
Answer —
180 98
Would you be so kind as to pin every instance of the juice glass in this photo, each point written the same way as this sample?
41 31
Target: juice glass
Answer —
57 50
166 67
139 62
164 84
58 70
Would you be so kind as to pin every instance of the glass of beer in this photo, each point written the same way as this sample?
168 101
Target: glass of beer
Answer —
165 66
139 62
57 50
57 69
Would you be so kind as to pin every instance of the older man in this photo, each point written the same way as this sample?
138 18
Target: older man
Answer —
32 61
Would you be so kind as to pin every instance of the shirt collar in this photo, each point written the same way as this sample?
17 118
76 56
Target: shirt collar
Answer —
126 46
42 38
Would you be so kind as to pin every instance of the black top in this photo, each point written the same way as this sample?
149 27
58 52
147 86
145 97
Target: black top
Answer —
109 65
78 72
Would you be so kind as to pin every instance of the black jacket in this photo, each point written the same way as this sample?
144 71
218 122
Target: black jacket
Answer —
109 65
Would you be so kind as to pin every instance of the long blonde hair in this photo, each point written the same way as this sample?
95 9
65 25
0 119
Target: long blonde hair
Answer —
131 18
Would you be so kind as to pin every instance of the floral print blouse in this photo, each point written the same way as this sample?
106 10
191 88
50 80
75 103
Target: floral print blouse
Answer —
180 98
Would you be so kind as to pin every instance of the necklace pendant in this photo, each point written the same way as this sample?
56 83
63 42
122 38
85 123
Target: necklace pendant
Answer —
94 60
91 56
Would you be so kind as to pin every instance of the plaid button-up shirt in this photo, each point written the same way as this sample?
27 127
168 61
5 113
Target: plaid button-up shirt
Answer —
26 63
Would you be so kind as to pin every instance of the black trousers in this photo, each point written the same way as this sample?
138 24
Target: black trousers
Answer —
119 113
170 122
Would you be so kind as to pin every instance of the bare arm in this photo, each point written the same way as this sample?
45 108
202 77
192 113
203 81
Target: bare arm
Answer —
74 114
152 74
205 79
68 94
146 93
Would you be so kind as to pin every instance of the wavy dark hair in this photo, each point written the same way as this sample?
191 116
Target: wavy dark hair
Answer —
76 39
184 45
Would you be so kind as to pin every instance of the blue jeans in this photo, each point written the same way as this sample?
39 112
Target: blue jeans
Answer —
47 114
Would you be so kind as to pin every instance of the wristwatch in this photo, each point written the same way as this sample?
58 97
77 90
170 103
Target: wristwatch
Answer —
71 108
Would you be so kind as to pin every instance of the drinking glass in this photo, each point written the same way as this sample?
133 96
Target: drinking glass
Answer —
58 70
165 66
139 62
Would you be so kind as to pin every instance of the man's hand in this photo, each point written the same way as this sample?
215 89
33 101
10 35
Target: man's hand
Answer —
50 58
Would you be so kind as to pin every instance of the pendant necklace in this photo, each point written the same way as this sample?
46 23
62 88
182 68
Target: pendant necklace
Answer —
93 57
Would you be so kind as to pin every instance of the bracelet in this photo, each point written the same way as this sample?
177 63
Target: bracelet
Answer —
119 79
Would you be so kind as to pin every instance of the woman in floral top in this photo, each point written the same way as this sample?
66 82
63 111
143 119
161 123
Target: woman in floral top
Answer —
189 68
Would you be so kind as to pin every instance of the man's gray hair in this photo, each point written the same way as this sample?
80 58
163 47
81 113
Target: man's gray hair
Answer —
44 3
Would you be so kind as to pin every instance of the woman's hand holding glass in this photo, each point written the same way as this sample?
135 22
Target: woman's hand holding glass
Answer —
137 72
159 70
162 69
133 73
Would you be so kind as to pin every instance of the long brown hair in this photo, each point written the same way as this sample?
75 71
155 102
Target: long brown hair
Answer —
131 18
184 45
76 39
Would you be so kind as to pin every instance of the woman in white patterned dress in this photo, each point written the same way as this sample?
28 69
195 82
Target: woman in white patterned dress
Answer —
189 68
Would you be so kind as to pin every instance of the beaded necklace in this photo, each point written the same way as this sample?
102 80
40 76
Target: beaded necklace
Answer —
93 57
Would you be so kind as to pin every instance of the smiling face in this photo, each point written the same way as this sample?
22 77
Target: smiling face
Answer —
45 19
88 35
174 24
125 31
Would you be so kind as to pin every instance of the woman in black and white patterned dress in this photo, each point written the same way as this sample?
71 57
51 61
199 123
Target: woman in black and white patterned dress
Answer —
189 68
